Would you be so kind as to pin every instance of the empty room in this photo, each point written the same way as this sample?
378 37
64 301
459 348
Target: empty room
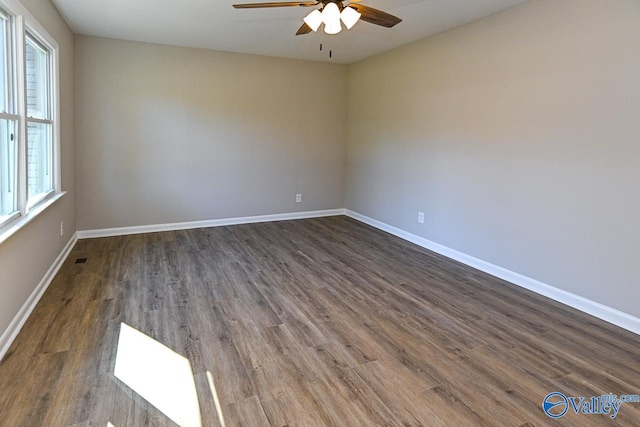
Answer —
319 213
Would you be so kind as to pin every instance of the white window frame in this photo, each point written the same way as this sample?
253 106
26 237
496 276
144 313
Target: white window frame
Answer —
24 22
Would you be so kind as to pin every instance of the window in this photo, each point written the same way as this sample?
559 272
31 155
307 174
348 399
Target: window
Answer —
8 119
39 123
29 133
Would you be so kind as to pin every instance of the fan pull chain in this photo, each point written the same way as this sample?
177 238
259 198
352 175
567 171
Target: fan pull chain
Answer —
322 46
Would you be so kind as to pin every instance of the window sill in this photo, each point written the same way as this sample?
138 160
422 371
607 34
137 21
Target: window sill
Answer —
14 226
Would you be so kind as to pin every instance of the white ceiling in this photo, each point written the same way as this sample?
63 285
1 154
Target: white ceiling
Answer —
215 24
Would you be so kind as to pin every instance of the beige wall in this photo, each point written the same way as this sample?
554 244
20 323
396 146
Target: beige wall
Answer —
169 134
27 255
518 136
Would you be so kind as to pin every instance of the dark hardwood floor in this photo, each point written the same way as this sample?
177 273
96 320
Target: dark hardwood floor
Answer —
308 323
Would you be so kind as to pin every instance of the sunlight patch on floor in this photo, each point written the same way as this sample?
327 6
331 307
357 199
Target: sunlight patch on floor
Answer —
160 375
212 386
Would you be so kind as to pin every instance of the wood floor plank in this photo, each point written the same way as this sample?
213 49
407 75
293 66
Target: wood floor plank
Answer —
251 413
47 368
398 393
319 322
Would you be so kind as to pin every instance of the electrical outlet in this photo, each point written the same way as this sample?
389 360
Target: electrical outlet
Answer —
61 228
421 217
298 198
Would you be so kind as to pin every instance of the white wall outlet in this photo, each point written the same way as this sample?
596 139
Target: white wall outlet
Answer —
421 217
298 198
61 228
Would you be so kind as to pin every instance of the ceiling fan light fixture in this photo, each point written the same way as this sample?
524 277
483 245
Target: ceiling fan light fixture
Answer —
314 19
331 15
333 28
349 17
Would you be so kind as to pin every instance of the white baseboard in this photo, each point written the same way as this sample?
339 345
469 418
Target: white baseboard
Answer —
124 231
19 320
603 312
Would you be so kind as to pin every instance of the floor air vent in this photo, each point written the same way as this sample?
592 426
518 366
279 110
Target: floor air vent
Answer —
81 260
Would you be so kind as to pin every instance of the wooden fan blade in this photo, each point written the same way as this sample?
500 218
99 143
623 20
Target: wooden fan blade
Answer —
276 4
305 29
375 16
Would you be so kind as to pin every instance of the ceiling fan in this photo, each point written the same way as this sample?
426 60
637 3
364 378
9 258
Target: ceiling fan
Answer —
330 13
